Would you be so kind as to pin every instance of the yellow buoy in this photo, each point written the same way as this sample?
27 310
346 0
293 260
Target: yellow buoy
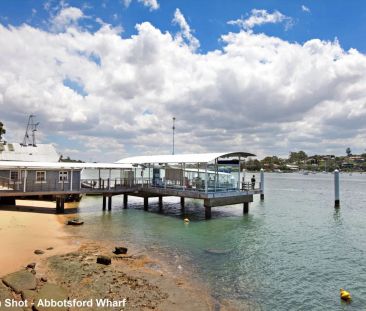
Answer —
186 220
345 295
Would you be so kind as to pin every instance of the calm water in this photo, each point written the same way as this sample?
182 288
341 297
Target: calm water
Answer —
292 252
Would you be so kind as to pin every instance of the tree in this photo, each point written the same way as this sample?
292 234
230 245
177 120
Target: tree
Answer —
348 151
298 157
2 130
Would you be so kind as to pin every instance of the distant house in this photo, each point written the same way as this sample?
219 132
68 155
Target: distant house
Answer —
19 172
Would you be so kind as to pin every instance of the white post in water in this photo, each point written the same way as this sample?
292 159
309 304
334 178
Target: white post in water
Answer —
336 188
262 184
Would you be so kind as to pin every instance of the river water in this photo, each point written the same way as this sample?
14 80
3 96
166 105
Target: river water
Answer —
293 251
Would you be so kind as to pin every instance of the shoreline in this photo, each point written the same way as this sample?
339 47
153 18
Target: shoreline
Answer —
167 289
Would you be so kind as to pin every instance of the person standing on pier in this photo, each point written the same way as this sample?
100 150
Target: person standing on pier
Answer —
253 182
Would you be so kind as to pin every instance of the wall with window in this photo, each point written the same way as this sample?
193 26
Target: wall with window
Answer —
44 180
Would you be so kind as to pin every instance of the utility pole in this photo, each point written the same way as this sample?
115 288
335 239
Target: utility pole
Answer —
173 132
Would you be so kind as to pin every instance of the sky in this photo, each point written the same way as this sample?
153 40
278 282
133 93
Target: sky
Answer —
105 78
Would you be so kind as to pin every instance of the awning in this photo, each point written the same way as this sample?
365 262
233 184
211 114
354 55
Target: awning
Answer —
61 165
184 158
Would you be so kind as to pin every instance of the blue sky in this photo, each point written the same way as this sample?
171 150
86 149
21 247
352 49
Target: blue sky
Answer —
326 19
106 77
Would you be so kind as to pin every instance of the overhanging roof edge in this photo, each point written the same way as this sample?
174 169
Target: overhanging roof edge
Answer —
183 158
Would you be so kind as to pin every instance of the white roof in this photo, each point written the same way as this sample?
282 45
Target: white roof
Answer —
60 165
183 158
17 152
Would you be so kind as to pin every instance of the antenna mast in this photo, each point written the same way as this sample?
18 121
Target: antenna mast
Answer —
173 132
31 127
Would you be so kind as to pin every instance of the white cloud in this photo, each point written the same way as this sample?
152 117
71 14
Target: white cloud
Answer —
186 31
261 17
305 9
66 17
151 4
259 93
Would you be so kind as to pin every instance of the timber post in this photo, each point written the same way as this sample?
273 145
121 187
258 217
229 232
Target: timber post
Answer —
146 203
109 203
245 207
182 203
104 202
125 201
160 203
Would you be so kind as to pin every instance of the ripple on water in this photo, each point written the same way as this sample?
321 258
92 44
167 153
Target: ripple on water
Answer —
292 252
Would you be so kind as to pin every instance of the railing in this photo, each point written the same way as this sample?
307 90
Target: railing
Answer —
95 185
190 185
6 184
106 184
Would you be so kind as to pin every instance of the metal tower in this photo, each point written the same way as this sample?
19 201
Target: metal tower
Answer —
30 131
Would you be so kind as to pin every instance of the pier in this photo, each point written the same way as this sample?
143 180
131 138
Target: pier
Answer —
214 178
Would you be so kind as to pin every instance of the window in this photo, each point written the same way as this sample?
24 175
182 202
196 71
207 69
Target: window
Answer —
14 175
40 176
63 176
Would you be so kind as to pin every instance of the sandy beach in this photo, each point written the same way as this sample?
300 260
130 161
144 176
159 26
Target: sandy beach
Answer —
21 233
69 261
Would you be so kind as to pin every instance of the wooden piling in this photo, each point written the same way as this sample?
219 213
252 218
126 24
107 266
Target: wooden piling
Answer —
60 205
182 202
125 201
146 203
208 214
245 207
104 202
160 203
109 203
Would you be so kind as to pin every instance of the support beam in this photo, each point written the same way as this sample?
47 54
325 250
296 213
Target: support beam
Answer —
71 179
109 203
146 203
245 207
206 179
208 214
104 202
125 201
160 203
25 181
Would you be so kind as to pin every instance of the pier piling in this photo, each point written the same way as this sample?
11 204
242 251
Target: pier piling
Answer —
146 203
160 203
104 202
208 214
182 202
125 201
60 205
336 189
109 203
245 207
262 184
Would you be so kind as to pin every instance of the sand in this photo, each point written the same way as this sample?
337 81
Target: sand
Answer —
23 232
